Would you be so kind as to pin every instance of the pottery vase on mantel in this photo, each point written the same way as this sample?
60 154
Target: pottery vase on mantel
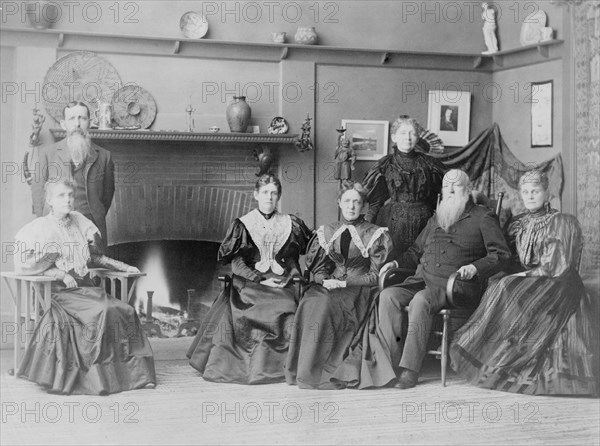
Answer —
238 114
42 14
306 35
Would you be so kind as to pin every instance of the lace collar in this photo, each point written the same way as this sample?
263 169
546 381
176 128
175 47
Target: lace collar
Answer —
354 235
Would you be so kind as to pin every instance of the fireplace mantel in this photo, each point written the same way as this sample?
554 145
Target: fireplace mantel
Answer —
150 135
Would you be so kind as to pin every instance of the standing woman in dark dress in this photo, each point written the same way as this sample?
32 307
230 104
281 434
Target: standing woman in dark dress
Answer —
344 258
410 179
245 336
535 332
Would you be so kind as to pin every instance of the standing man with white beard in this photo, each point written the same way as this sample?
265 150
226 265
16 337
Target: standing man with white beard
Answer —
76 158
461 237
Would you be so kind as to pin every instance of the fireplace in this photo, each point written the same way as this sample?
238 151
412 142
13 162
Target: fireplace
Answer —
175 196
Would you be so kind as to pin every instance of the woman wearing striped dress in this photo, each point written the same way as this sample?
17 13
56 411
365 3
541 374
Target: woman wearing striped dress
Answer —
534 332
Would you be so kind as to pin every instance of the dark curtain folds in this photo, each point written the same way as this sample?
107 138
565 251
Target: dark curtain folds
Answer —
493 168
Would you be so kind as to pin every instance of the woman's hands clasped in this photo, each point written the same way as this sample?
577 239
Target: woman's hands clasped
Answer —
331 284
273 283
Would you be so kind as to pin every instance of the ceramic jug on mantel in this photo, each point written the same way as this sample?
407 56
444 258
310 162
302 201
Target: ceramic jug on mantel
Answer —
238 114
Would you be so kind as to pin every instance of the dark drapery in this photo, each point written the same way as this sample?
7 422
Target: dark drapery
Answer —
494 168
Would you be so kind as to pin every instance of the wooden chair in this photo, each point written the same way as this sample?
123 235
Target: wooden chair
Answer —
32 297
457 290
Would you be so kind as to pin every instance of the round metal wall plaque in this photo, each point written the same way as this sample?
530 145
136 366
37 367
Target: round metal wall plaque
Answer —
79 76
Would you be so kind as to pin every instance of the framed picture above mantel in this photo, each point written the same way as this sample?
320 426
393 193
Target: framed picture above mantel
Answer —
368 139
541 113
449 116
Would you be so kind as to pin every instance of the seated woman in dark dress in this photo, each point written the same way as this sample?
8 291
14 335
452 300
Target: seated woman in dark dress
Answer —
344 258
245 336
534 332
87 342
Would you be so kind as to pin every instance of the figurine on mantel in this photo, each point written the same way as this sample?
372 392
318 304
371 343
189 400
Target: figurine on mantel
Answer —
489 28
303 143
34 141
344 157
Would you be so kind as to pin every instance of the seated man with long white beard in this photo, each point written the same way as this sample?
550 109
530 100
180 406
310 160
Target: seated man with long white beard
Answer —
461 237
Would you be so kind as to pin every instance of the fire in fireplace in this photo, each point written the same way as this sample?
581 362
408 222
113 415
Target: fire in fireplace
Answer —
173 267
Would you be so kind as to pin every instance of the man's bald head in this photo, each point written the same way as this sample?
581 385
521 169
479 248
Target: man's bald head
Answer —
457 177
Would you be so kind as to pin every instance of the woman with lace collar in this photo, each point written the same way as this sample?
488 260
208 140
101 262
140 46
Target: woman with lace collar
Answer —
245 336
344 258
534 332
87 342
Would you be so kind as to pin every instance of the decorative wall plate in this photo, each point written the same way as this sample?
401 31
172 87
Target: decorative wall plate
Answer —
278 126
133 107
531 30
193 25
79 76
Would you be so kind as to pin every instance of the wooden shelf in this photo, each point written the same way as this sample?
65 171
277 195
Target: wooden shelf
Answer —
150 135
272 52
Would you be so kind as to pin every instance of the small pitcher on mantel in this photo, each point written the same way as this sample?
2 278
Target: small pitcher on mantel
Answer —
238 114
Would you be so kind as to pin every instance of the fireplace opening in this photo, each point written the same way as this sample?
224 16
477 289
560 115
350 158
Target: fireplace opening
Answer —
173 268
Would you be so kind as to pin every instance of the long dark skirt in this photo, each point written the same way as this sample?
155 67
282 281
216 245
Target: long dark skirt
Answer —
245 336
326 323
531 335
88 343
405 221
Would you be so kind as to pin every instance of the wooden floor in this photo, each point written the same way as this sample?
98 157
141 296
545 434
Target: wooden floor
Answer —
184 409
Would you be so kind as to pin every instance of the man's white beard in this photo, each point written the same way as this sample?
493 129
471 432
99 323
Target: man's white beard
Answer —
80 145
450 209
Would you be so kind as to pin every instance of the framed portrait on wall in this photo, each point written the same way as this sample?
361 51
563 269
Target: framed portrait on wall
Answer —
449 115
368 139
541 114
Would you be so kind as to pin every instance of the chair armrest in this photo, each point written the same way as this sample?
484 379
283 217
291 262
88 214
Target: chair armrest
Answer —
450 288
464 293
104 272
394 276
36 278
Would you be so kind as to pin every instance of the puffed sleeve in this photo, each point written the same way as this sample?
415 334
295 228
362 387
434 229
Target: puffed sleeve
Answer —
295 247
237 248
317 261
561 248
376 188
377 196
235 242
379 250
35 252
301 233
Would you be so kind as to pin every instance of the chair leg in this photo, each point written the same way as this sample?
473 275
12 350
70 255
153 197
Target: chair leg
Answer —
445 348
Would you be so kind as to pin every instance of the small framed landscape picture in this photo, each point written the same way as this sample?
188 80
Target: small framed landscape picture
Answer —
449 116
368 139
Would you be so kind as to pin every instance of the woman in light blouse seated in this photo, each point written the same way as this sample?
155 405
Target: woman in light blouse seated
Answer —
344 258
245 336
534 332
87 342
